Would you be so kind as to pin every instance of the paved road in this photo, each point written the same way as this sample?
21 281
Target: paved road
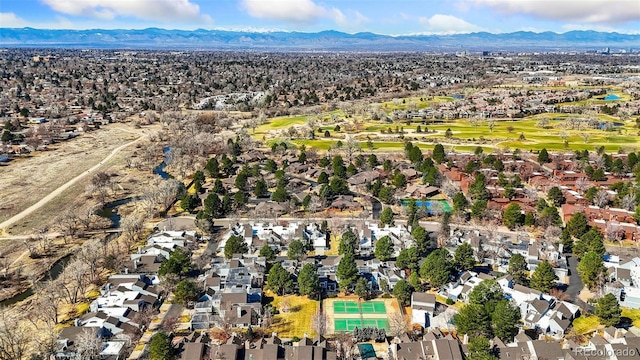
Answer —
65 186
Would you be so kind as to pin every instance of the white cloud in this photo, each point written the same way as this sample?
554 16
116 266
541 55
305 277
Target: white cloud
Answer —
293 11
585 11
10 20
448 24
157 10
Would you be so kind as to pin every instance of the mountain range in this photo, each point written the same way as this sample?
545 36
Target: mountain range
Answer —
155 38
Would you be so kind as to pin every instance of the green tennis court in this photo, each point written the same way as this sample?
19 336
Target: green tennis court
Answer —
373 307
346 307
350 324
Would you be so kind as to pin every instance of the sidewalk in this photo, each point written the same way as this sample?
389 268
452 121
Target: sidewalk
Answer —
154 325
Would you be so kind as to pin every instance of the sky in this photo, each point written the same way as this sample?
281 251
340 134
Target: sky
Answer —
390 17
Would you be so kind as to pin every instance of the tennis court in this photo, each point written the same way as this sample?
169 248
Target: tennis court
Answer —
346 307
373 307
350 324
352 307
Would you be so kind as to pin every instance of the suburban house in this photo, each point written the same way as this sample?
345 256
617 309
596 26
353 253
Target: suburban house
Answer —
423 306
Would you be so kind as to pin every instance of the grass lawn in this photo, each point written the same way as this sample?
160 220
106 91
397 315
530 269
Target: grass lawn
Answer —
633 314
297 322
281 122
585 324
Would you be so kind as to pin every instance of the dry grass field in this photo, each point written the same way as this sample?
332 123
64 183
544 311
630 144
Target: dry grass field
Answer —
297 321
25 181
31 179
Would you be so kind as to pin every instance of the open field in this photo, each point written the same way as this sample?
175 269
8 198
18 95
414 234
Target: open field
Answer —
297 321
25 181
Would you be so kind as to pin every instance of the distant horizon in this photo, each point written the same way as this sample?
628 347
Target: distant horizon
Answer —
267 31
397 18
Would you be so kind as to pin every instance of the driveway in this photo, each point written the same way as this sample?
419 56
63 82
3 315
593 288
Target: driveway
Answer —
575 282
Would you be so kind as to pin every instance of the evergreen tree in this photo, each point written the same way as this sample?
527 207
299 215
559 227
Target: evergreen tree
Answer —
592 240
464 258
186 290
543 156
480 349
261 189
543 278
323 178
578 225
422 241
505 319
478 209
550 217
608 310
408 259
348 243
308 280
160 347
438 154
279 280
384 248
460 202
235 245
591 268
386 218
362 288
178 263
296 251
555 196
268 253
487 294
474 321
512 216
437 268
518 269
529 219
347 271
386 195
402 291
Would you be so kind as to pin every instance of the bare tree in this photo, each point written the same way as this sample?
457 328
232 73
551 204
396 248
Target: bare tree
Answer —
47 302
351 146
582 184
15 336
319 322
267 317
68 223
601 199
629 202
397 324
449 188
74 281
344 345
91 255
132 226
614 232
88 345
170 323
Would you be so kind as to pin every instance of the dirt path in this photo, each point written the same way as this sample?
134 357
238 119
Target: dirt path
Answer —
65 186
